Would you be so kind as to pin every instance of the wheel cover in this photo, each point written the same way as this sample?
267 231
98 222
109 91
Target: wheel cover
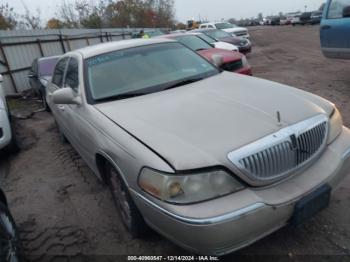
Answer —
120 198
8 238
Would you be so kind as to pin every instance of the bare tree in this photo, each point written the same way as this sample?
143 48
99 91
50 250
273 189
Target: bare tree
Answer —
8 17
29 20
68 15
117 13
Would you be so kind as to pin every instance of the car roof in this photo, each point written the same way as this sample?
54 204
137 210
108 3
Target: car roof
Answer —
178 34
204 30
49 58
98 49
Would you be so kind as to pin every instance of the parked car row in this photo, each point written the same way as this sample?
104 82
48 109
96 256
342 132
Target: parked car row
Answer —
217 34
231 61
243 44
186 147
305 18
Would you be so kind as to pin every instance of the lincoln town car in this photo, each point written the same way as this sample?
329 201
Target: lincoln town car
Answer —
211 160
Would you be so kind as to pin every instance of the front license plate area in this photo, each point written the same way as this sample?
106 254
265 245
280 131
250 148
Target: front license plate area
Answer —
310 205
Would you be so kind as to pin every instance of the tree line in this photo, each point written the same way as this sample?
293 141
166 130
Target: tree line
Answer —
85 14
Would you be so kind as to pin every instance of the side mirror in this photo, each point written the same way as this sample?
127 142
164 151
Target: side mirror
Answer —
1 78
217 60
346 11
65 96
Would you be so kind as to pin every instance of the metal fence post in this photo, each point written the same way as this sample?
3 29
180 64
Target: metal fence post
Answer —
62 43
40 47
123 34
66 38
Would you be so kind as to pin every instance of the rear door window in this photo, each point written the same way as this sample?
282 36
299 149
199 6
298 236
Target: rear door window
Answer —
72 75
58 74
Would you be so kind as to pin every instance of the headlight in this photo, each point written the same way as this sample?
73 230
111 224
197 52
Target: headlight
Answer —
335 125
245 61
191 188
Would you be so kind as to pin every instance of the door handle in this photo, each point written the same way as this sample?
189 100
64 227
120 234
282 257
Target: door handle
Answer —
60 107
326 27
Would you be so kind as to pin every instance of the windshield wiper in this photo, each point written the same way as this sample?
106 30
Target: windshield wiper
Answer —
184 82
120 97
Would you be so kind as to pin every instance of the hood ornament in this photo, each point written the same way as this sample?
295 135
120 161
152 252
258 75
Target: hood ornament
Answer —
279 121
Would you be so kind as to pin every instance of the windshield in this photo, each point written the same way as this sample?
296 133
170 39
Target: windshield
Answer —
207 38
154 33
46 66
193 42
224 25
143 70
217 34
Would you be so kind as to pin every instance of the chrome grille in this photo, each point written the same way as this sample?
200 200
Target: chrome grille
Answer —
281 153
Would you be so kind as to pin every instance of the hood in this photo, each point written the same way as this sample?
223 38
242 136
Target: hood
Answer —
227 46
228 56
235 30
231 40
197 125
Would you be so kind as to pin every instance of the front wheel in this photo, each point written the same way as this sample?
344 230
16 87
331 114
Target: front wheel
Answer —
43 99
10 245
130 215
12 147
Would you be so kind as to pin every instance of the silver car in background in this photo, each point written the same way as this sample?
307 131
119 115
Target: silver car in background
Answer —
212 160
7 139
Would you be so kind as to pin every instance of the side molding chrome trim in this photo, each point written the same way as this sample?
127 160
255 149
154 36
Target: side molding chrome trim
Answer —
204 221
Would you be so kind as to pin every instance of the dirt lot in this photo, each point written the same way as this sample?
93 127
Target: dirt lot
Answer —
65 214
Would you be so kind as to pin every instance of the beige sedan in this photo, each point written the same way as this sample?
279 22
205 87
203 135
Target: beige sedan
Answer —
211 160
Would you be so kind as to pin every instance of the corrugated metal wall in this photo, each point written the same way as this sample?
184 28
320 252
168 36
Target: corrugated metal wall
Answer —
19 48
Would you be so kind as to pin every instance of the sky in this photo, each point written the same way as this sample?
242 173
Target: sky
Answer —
213 10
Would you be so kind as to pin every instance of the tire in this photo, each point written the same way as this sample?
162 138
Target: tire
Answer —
127 210
12 147
62 137
10 245
43 99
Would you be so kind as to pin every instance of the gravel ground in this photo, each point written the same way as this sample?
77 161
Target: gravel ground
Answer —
65 214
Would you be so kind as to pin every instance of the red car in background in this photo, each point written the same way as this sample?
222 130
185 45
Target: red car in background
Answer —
232 61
